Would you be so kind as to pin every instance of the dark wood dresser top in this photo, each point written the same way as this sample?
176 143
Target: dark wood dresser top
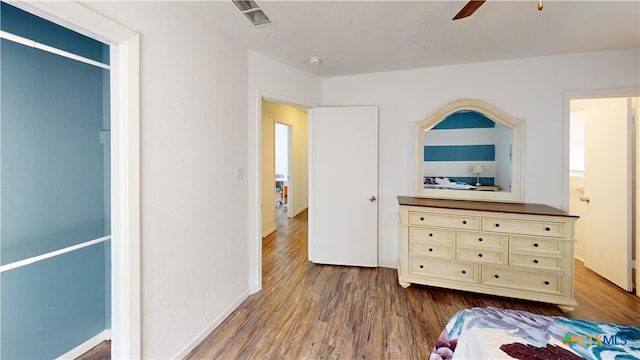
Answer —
516 208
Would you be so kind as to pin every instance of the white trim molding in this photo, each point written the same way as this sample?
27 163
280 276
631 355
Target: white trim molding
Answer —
68 249
87 345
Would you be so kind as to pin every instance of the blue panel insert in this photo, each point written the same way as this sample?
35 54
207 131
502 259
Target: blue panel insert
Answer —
51 157
22 23
460 153
51 306
467 119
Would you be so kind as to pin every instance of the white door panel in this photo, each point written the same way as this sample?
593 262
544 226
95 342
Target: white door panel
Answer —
343 210
607 185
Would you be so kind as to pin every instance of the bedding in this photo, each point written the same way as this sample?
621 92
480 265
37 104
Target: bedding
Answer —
431 182
490 333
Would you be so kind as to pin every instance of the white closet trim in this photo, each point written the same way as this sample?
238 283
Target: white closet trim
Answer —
48 255
34 44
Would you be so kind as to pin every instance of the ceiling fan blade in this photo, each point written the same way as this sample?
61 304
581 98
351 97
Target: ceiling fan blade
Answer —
468 9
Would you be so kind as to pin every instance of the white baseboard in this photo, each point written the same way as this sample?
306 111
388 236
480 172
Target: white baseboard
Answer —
268 232
207 330
87 345
388 265
295 212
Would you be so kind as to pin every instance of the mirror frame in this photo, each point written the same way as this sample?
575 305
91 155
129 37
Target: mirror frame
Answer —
516 193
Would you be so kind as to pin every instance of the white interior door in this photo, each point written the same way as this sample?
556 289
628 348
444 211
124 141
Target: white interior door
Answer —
343 180
607 185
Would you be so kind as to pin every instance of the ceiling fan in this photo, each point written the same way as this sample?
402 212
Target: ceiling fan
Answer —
473 5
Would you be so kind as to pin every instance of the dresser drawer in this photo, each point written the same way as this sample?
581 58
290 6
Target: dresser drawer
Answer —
431 250
521 280
463 222
524 227
537 262
535 246
429 235
482 240
482 256
448 270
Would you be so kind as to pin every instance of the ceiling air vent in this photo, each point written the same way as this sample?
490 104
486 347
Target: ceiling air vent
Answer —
252 11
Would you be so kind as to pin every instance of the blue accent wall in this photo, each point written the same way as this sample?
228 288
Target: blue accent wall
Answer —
52 159
459 142
54 181
460 153
27 25
465 120
52 306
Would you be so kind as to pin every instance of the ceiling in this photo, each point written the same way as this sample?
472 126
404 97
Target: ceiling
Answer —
354 37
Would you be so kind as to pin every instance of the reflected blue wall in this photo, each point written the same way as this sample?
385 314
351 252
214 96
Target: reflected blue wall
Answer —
54 182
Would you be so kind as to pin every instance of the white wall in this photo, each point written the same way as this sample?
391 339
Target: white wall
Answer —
274 81
194 249
531 89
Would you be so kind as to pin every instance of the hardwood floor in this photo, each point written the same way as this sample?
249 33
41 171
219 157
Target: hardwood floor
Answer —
309 311
100 352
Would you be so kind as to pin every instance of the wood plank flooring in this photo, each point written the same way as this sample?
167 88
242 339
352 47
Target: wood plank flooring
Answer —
101 351
309 311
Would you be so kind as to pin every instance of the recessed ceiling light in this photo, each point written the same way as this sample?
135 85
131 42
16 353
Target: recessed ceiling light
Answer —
315 60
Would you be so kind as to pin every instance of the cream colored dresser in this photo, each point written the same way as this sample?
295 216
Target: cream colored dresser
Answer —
517 250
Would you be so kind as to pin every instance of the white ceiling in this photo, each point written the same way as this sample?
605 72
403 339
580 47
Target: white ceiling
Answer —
355 37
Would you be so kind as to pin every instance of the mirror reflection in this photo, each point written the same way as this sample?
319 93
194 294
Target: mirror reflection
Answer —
470 150
467 151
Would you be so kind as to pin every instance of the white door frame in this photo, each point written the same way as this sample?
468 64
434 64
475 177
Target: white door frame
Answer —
566 113
255 203
125 162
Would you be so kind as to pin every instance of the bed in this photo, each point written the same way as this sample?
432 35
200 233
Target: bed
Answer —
490 333
435 182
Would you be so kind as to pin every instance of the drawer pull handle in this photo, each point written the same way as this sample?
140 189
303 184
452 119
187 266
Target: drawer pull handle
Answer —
479 239
546 283
430 249
421 218
430 234
480 255
464 271
496 276
535 261
421 266
464 222
497 225
547 228
535 245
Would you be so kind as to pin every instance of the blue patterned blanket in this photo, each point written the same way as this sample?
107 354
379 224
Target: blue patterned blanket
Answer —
490 333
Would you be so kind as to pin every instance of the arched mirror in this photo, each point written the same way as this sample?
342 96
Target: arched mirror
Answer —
470 150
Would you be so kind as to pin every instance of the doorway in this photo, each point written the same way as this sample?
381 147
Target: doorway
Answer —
292 121
125 170
602 183
55 197
283 158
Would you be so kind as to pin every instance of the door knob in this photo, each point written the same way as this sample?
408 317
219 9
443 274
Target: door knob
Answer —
372 198
585 199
